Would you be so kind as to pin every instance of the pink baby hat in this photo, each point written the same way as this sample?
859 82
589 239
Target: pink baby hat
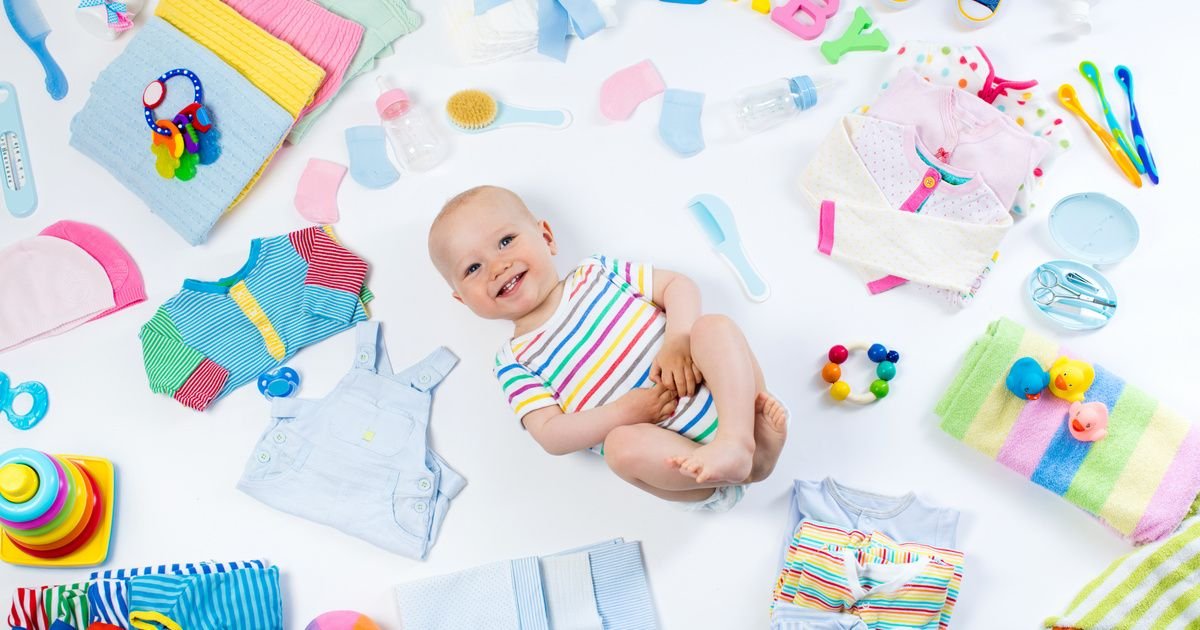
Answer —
70 274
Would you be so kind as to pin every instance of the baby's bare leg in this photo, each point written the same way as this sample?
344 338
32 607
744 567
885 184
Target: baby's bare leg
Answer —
638 454
731 373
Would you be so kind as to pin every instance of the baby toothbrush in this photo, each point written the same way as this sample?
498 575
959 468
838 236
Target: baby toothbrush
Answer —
1070 100
32 28
1125 78
1092 74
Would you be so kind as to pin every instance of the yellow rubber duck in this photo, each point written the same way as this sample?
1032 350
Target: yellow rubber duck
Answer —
1070 379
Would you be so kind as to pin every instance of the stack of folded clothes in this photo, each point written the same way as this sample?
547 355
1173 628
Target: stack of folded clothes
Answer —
259 71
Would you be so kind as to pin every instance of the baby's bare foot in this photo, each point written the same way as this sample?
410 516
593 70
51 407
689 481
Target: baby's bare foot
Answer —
770 433
717 462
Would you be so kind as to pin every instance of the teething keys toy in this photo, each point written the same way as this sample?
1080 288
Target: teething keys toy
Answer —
177 143
885 370
55 510
37 410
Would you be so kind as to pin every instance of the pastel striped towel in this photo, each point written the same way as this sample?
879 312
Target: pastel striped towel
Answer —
1141 480
1155 587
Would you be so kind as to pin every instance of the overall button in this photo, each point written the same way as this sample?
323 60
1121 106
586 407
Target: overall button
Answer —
264 456
420 507
424 378
279 437
424 484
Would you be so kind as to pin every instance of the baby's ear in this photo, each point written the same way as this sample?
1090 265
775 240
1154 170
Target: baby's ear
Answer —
548 236
456 296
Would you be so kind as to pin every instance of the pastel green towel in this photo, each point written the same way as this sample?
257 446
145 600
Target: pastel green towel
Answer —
1141 479
385 22
1153 587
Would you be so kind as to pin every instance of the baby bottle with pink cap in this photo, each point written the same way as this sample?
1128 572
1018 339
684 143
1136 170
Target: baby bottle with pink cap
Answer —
416 142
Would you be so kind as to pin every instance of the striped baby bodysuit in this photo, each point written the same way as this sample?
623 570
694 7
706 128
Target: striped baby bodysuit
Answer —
212 337
599 344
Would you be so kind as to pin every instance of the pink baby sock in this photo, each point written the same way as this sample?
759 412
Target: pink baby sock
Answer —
316 195
627 88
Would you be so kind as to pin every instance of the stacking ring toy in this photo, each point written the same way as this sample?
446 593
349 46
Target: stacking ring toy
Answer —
37 411
46 484
55 510
885 370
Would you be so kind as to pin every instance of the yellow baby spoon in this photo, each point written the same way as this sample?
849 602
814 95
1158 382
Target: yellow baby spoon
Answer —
1070 100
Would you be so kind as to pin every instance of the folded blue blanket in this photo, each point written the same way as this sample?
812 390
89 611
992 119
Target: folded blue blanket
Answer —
111 129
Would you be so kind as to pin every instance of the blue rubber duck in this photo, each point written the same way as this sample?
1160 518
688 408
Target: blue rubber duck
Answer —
1027 379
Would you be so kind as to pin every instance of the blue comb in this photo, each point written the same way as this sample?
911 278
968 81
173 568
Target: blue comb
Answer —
715 217
32 28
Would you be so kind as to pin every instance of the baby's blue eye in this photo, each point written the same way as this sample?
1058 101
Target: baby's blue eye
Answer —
473 268
504 242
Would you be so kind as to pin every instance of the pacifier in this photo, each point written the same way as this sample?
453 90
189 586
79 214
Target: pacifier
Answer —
37 410
280 383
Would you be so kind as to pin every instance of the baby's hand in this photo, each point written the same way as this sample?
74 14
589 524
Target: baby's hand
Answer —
648 404
673 367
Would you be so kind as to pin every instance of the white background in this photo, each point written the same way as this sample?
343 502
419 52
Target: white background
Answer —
616 189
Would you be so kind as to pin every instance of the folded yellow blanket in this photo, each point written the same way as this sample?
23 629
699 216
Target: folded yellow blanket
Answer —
273 66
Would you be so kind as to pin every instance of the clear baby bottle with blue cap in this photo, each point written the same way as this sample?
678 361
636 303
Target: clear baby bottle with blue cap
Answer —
764 106
416 142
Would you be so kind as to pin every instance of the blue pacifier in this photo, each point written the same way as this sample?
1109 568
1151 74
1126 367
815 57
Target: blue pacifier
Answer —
37 411
279 383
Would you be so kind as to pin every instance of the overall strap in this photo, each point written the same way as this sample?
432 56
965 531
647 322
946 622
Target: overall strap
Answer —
369 351
426 375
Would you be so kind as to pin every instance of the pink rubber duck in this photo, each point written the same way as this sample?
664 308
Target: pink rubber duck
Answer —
1088 422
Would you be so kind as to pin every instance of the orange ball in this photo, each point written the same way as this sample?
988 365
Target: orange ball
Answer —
832 372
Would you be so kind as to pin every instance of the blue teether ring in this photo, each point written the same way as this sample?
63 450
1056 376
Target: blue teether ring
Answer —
37 411
197 96
280 383
48 485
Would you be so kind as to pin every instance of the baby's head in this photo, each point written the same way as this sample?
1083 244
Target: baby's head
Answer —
494 253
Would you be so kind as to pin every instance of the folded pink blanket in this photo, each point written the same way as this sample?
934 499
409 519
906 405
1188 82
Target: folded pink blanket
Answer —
327 39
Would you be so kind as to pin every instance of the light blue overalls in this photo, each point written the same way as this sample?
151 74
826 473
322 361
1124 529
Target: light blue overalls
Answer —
359 459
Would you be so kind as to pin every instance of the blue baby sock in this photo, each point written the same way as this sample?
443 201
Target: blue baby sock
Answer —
679 125
369 163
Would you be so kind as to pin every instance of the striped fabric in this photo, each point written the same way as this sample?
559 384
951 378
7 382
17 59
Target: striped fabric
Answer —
246 599
622 592
531 599
27 611
67 603
1141 479
108 602
1155 587
884 583
212 337
598 345
189 568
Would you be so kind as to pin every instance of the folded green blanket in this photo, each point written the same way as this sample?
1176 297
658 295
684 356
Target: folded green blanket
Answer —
1140 480
1153 587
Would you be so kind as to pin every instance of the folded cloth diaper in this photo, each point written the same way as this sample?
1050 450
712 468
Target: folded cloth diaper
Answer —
325 38
385 21
1141 480
68 275
1153 587
214 336
969 68
484 31
943 233
599 587
116 137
